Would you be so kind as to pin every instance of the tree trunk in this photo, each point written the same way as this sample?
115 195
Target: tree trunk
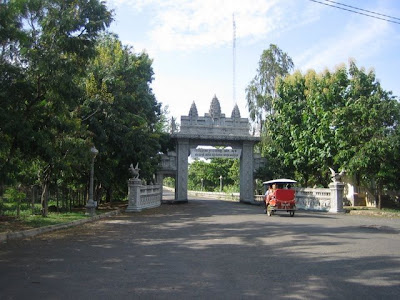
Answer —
379 198
99 193
57 197
18 206
44 198
33 193
305 180
108 195
69 199
379 190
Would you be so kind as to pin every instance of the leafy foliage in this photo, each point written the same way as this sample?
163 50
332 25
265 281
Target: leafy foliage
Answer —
343 120
41 64
122 113
66 86
210 173
274 63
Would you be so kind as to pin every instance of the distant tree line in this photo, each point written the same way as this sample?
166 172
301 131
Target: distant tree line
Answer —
66 85
342 119
205 175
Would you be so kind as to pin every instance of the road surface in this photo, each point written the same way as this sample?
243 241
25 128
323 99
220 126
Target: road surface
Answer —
208 249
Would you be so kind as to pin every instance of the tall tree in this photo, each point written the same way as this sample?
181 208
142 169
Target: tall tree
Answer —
342 119
50 54
122 113
366 130
13 88
260 92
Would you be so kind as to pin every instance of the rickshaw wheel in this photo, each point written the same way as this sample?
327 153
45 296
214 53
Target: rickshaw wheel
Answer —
291 213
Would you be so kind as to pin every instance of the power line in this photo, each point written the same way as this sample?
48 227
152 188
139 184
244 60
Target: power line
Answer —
375 13
358 12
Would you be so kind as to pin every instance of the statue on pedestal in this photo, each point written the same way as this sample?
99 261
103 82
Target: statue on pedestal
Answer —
336 177
134 171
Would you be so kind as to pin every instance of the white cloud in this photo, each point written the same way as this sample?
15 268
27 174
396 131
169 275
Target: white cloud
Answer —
179 93
169 26
187 25
135 4
359 40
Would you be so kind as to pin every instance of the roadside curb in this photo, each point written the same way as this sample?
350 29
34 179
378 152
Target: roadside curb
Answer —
8 236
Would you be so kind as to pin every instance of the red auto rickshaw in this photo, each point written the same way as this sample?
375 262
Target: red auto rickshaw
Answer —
281 197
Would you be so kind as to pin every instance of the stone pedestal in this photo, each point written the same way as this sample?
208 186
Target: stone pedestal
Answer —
90 208
336 197
134 195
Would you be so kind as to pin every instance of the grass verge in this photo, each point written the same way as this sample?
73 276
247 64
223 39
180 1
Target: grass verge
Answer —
11 223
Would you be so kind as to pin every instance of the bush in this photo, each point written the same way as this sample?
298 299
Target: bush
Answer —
15 197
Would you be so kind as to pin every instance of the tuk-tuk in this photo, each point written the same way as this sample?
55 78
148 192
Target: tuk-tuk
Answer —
281 197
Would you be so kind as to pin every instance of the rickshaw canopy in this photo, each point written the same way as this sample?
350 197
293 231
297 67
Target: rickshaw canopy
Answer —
281 180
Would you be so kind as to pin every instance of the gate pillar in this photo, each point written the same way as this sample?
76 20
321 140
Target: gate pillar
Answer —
246 172
181 180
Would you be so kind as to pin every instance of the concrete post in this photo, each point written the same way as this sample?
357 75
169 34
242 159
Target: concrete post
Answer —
134 195
337 189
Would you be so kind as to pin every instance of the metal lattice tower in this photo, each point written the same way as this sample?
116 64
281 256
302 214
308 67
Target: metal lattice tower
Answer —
234 59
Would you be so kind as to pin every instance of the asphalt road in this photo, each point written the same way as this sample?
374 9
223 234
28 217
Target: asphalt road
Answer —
208 249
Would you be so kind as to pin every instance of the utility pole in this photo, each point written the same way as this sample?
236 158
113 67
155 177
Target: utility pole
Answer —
234 59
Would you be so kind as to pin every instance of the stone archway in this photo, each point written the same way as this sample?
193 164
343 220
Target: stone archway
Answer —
214 129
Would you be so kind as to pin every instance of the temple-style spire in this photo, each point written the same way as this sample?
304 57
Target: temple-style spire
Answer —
215 108
193 111
235 112
173 125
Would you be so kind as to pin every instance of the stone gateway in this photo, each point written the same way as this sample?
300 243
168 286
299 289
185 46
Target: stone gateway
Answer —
214 129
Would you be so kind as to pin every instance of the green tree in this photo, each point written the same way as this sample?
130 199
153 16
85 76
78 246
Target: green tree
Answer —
260 92
366 130
198 173
47 57
13 90
210 173
123 114
301 129
343 120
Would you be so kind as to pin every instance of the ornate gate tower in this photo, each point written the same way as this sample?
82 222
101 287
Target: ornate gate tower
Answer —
214 129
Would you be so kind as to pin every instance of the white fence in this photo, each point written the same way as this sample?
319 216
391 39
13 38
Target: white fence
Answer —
148 196
216 195
318 199
142 196
309 198
313 199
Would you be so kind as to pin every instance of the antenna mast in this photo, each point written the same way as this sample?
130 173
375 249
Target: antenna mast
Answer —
234 58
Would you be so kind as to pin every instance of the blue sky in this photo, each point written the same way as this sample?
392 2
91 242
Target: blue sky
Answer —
190 43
